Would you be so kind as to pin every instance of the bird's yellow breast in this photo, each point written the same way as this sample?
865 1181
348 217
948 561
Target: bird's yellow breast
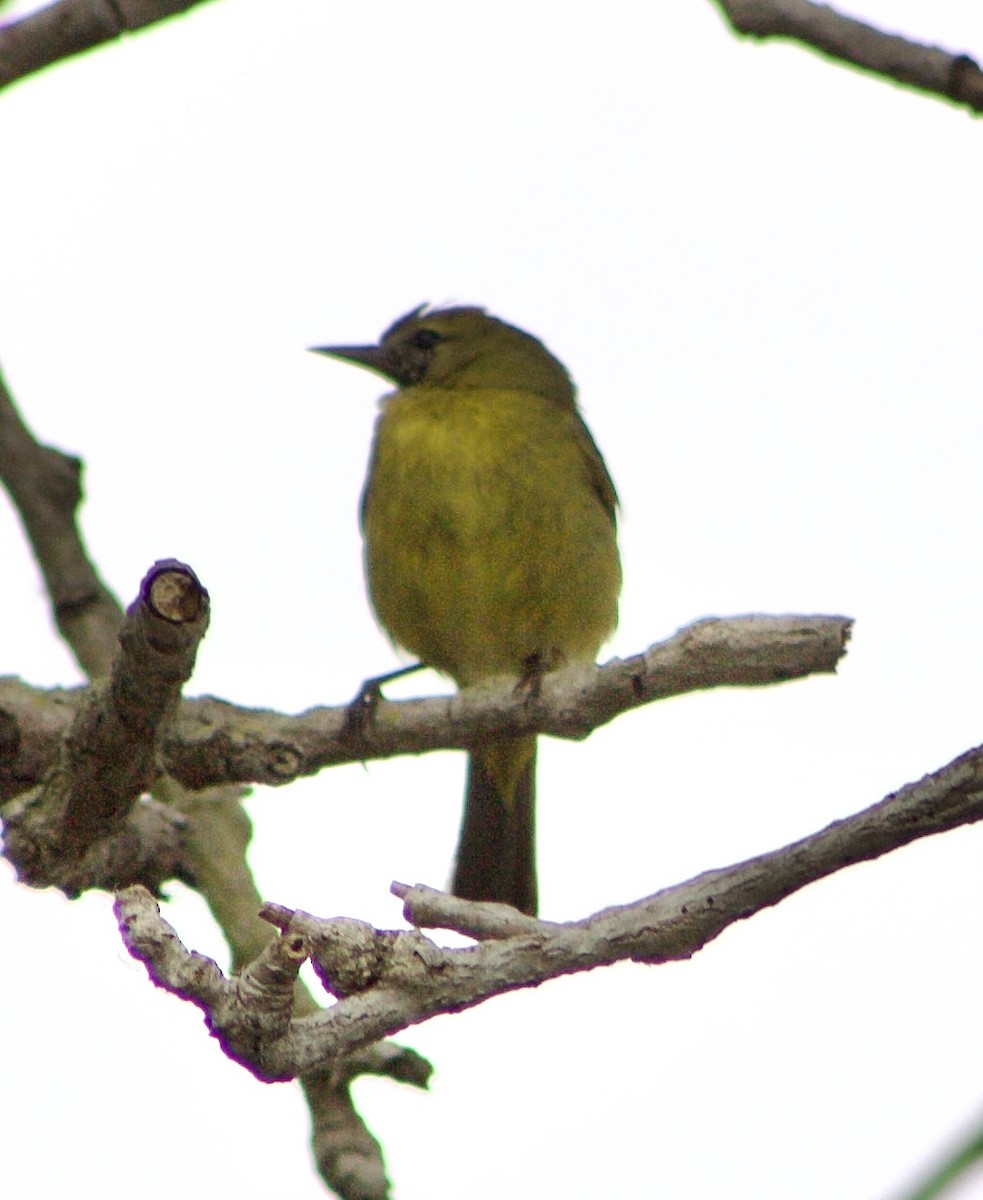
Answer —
487 539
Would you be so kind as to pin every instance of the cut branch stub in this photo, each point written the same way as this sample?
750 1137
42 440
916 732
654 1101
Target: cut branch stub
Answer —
57 835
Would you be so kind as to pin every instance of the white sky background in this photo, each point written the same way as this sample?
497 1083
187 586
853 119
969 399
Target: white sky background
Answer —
763 272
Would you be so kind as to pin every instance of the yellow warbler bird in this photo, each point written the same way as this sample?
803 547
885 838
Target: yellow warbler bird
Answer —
490 544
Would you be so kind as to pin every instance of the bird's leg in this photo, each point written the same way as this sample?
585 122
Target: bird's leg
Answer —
534 667
361 711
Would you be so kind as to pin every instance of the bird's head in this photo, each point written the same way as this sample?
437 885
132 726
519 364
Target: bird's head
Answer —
461 348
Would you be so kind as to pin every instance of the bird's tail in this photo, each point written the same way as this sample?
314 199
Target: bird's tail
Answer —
496 853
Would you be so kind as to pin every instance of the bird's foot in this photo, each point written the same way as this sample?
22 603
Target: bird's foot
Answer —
360 713
534 667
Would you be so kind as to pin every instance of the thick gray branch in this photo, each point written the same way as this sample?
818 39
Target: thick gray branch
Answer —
955 77
390 980
212 742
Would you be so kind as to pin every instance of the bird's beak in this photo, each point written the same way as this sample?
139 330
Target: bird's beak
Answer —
373 358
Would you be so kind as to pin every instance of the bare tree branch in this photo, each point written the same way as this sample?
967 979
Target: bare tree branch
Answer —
200 836
45 486
213 742
387 981
70 27
954 77
107 759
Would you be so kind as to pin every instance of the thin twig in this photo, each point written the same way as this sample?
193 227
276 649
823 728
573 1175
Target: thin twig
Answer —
954 77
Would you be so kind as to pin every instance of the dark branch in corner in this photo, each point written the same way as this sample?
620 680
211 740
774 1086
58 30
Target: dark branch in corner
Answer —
70 27
64 834
955 77
212 742
386 981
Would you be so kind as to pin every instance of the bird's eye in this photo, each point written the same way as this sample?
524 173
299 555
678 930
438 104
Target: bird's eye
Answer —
423 339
